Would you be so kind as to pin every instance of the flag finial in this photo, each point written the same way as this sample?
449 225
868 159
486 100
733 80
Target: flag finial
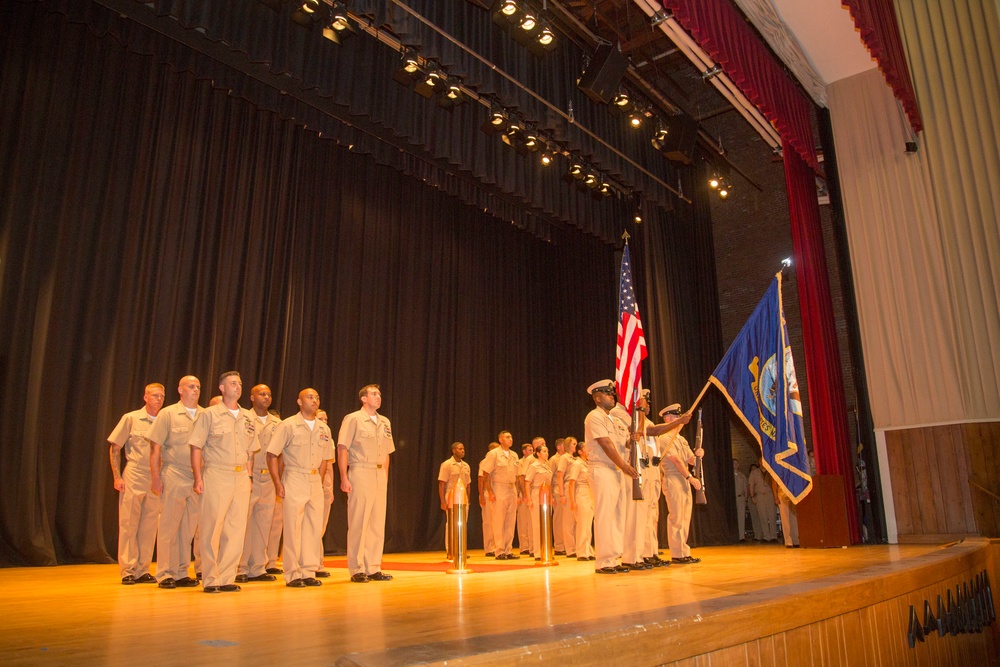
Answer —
626 236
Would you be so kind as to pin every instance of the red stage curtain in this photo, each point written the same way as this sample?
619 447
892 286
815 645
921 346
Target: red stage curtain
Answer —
724 35
827 410
876 20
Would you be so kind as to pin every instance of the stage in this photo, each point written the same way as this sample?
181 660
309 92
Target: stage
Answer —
753 604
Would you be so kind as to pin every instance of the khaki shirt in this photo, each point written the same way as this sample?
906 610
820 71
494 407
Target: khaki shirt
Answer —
578 472
172 432
224 440
554 462
367 443
130 434
538 473
675 445
600 424
304 449
265 431
450 472
741 484
501 466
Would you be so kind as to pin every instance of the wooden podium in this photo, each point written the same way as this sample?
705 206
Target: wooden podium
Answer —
823 514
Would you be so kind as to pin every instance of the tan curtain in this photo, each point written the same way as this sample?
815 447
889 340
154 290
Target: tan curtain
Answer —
923 228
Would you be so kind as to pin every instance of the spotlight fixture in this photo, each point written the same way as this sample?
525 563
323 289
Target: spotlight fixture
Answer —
528 23
576 170
714 181
451 95
546 159
338 28
590 180
546 37
508 7
309 12
724 190
637 215
434 83
621 99
531 141
497 120
635 119
410 70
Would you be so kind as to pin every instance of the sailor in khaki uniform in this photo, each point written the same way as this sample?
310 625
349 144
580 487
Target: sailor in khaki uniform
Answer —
500 466
138 509
486 507
365 442
306 444
538 473
274 538
558 545
636 510
581 502
676 456
524 544
223 441
451 471
605 437
170 464
254 560
740 482
568 527
322 572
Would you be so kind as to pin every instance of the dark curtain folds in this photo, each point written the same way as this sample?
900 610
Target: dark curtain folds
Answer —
683 328
153 225
876 21
726 36
827 409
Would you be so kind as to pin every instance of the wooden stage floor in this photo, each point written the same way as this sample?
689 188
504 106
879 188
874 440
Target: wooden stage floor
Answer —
82 615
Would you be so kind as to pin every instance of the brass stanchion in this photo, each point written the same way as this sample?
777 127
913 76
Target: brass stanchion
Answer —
459 508
547 555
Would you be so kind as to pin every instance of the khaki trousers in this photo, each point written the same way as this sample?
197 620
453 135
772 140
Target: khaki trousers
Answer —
274 538
678 492
608 486
584 522
636 512
223 523
504 513
178 520
488 544
302 548
138 515
254 560
536 522
366 519
651 489
524 543
558 517
568 527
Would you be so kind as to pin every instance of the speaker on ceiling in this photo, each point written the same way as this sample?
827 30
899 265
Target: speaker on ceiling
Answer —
678 145
604 73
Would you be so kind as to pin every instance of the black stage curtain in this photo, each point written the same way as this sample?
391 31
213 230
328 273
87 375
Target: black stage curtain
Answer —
153 224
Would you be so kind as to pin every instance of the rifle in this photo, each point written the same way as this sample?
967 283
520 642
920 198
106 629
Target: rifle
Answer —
633 457
699 468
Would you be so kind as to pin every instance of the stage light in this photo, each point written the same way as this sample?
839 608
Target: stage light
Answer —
714 182
528 23
340 20
546 37
590 180
509 8
546 159
605 189
309 12
531 141
576 170
724 191
621 99
432 84
661 130
412 65
498 117
635 119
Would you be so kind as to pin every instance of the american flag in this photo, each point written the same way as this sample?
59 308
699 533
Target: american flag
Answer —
631 341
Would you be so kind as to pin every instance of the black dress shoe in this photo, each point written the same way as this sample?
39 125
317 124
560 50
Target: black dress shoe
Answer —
311 581
513 556
229 588
271 570
296 583
560 553
622 568
146 579
168 583
608 570
501 556
128 580
322 574
186 582
359 578
242 578
260 577
197 575
591 558
582 558
570 555
212 589
380 576
490 554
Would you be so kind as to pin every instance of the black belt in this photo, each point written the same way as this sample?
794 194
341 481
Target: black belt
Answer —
656 461
644 462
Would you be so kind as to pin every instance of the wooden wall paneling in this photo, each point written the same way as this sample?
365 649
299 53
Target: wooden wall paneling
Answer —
984 470
760 652
950 453
799 644
868 637
854 642
907 513
732 655
920 465
962 492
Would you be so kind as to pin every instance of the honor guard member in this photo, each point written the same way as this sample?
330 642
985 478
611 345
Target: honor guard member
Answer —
254 561
741 499
605 437
170 463
486 507
676 456
559 546
568 527
138 508
581 502
223 440
635 510
537 473
306 444
451 471
365 443
322 572
762 500
500 466
524 544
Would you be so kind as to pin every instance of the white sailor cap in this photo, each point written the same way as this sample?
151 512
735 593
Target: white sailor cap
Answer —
674 409
607 386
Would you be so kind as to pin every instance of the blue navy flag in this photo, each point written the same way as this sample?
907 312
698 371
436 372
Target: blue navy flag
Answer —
757 376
